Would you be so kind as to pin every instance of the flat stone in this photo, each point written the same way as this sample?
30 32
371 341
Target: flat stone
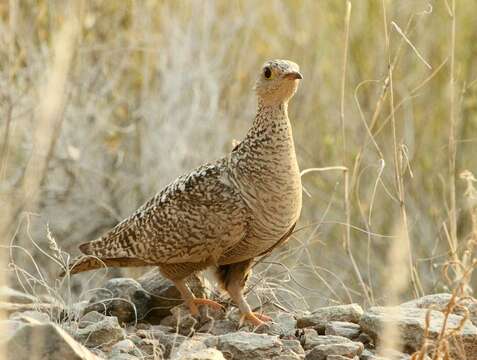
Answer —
47 342
207 354
366 340
168 321
306 337
341 328
249 346
387 354
123 356
150 347
219 327
283 325
125 346
10 295
123 298
99 330
159 339
288 356
348 349
411 323
30 314
293 345
439 302
320 317
90 318
8 328
165 329
310 340
195 349
188 324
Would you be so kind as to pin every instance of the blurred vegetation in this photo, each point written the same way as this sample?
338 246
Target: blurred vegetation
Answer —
155 88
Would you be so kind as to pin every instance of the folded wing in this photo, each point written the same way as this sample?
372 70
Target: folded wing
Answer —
196 218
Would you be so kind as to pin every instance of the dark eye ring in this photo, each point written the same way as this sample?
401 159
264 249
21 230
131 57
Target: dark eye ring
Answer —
267 72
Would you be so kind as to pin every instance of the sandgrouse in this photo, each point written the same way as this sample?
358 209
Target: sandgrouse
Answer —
222 214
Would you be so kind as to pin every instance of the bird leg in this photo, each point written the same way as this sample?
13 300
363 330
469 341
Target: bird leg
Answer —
234 277
256 319
191 301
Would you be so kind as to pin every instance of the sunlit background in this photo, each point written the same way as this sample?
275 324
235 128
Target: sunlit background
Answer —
105 102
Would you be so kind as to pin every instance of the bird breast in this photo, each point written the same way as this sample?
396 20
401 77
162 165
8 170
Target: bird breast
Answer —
269 181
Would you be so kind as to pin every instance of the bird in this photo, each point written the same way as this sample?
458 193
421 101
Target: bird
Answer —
223 214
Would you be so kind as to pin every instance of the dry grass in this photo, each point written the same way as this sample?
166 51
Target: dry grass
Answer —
458 274
105 103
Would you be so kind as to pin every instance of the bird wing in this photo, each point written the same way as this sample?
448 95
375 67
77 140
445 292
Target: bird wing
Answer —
196 218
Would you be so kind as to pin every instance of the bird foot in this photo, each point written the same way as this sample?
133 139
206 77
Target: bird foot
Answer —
256 319
194 310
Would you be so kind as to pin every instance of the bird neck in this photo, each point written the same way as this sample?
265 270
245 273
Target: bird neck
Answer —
271 122
270 137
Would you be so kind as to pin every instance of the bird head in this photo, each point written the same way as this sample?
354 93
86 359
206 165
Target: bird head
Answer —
277 81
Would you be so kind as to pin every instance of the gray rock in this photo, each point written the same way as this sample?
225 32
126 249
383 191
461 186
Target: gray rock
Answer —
293 345
366 340
45 342
30 314
348 349
186 347
90 318
210 341
123 298
168 321
126 346
307 338
123 346
206 354
96 329
71 312
219 327
162 328
320 317
8 328
134 338
158 340
283 325
286 322
439 302
340 357
164 295
288 356
123 356
310 338
411 323
187 324
10 295
387 354
99 353
195 349
341 328
152 348
244 345
368 355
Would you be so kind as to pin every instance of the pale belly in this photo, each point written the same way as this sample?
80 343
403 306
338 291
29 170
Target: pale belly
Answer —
274 216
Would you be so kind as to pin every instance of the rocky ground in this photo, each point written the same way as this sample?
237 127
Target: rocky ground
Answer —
131 319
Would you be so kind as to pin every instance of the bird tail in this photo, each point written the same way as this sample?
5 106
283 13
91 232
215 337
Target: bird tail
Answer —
105 247
87 263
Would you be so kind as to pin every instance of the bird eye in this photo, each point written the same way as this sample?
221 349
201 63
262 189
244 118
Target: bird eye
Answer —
267 72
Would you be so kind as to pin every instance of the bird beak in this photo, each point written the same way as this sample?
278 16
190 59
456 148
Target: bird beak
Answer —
295 75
